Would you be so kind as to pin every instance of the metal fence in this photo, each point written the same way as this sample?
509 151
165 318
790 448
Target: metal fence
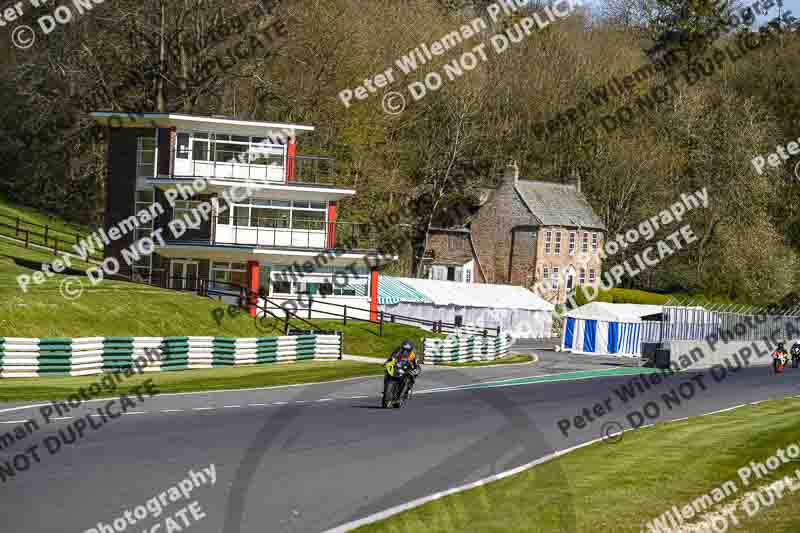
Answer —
700 323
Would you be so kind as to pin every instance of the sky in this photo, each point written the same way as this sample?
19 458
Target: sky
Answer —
788 5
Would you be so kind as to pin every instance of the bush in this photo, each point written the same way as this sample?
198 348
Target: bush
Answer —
635 296
624 296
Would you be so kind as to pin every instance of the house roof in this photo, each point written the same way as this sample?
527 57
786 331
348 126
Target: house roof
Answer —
393 291
556 204
614 312
465 294
189 121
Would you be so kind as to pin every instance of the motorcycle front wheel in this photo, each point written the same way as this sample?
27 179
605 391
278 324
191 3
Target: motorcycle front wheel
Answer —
393 396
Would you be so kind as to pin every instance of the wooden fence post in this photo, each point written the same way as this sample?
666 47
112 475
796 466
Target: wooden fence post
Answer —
381 323
344 317
46 228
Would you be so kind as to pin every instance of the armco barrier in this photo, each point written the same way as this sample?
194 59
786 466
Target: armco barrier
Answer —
21 357
456 349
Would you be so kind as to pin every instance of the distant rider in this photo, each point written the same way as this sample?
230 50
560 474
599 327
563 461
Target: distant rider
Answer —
796 354
779 358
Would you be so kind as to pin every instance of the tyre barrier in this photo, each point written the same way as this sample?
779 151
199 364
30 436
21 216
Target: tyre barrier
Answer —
22 357
457 349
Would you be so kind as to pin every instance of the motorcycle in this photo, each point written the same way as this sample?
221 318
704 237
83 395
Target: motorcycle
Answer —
796 355
779 359
398 384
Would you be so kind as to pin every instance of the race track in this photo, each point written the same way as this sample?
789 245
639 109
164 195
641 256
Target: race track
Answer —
308 458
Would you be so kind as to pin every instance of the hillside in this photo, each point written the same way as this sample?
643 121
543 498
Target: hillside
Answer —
117 308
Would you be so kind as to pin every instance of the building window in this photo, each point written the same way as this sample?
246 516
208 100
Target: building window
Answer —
585 244
183 146
146 157
324 281
548 238
546 277
282 214
143 267
582 276
225 274
468 276
591 277
455 242
182 210
554 279
572 238
594 243
224 148
558 243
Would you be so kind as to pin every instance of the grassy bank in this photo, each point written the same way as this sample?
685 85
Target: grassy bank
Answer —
117 308
635 296
35 221
242 377
620 487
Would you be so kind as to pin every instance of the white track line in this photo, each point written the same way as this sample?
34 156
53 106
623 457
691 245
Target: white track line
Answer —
726 410
231 406
383 515
15 422
203 408
161 395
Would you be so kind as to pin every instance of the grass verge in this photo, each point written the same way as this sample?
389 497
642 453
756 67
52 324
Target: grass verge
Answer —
118 308
621 487
241 377
507 360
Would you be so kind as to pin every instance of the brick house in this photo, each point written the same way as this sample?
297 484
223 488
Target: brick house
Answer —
541 235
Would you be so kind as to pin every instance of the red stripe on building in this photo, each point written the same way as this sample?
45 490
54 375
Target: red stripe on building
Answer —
252 285
373 295
331 224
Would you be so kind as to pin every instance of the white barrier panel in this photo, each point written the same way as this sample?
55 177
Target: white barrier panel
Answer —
25 357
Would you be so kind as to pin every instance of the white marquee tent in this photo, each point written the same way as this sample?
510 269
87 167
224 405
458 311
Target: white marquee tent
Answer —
514 309
602 328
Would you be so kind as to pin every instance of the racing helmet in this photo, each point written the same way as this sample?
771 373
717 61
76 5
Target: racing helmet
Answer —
407 346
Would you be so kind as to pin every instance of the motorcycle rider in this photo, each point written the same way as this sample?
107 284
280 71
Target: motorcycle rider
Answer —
796 354
404 353
779 358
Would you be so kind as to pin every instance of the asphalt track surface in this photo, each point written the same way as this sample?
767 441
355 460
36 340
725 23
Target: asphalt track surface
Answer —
308 458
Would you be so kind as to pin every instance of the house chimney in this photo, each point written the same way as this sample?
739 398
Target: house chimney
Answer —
512 171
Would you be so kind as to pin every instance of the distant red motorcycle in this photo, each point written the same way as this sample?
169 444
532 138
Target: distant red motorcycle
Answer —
779 360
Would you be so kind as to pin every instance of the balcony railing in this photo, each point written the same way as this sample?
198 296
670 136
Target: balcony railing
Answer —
254 167
280 233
